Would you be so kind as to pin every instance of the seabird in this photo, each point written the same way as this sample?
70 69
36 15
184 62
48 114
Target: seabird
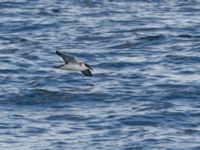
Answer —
72 64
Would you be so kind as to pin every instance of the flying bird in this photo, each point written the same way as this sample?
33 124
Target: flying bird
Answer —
72 64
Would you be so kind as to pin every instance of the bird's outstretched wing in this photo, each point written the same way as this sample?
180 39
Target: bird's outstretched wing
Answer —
87 72
67 59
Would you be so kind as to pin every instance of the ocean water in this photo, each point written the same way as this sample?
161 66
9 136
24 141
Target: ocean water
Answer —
145 89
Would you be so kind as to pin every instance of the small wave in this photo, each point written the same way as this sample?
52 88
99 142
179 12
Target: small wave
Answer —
123 45
189 36
152 38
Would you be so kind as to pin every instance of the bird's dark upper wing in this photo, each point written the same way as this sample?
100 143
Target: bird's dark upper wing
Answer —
87 72
67 59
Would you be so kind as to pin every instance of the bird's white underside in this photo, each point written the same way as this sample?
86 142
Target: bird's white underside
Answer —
75 67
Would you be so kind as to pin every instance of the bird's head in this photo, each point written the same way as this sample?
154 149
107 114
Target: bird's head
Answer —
88 66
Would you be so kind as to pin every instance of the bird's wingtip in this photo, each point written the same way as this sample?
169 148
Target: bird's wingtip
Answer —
58 53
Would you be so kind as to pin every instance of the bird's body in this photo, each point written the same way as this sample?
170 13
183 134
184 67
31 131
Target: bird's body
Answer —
72 64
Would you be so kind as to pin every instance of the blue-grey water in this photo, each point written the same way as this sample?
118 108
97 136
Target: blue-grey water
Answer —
145 89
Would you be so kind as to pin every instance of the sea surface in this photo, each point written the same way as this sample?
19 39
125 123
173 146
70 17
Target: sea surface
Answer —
145 90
